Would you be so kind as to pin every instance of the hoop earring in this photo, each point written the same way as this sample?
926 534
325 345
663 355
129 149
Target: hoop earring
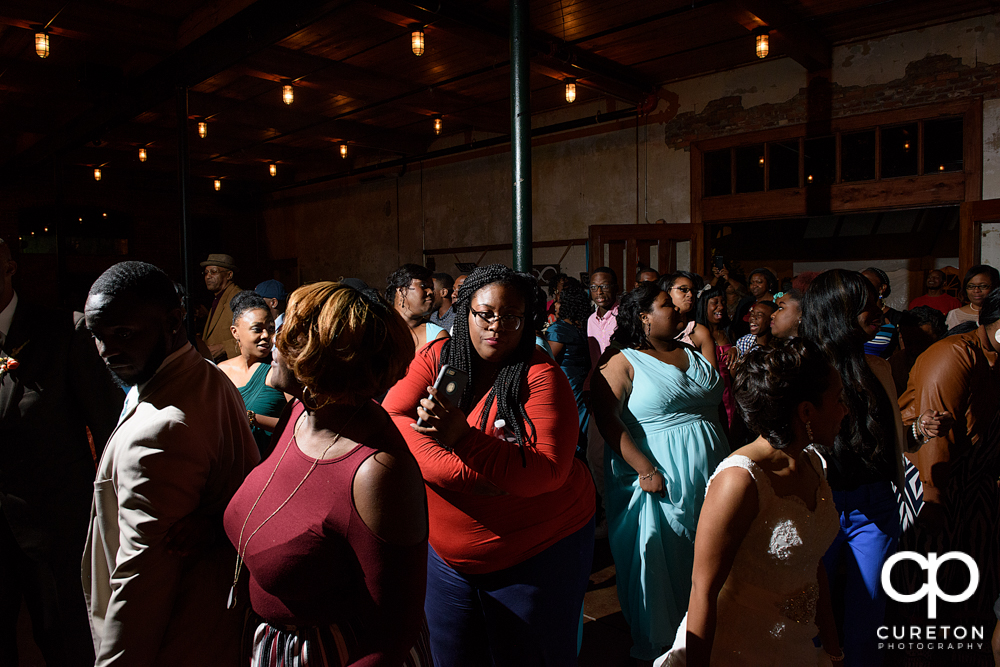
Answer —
809 431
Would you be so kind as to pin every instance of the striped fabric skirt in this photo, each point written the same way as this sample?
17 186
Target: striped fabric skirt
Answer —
329 646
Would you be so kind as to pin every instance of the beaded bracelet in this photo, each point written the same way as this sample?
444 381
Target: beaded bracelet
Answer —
918 433
835 658
650 475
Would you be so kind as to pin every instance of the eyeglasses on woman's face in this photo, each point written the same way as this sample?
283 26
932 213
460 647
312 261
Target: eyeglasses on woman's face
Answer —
978 287
485 318
683 289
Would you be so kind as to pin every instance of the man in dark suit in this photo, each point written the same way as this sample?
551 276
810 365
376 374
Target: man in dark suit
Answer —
58 388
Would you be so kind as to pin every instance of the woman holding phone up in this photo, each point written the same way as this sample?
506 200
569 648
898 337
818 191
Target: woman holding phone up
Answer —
511 508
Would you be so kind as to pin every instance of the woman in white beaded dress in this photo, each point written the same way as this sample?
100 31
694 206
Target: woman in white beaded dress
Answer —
759 593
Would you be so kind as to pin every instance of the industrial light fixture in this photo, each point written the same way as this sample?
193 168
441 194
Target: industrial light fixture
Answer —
571 90
287 94
142 155
343 150
218 185
42 43
97 174
273 168
763 35
417 39
437 124
202 129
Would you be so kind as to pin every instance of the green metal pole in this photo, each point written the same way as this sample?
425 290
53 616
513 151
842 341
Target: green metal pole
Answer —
520 134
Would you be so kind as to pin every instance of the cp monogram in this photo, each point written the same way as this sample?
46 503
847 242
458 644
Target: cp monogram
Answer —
930 590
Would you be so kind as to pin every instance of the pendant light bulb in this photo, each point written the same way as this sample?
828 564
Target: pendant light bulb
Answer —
202 129
273 168
417 39
763 42
437 124
218 185
142 155
287 94
42 44
97 174
343 150
571 90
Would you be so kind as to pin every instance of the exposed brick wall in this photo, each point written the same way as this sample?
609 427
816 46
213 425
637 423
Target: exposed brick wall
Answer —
931 79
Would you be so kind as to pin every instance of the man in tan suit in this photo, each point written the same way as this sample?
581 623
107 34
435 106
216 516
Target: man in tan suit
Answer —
217 334
181 449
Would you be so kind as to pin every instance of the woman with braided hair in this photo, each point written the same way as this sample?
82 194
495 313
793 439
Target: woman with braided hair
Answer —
511 509
657 406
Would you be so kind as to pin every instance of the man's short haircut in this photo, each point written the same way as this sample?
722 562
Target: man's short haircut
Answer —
604 269
445 279
645 269
403 276
140 279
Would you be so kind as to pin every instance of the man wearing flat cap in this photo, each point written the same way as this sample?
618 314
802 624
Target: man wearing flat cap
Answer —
219 281
275 296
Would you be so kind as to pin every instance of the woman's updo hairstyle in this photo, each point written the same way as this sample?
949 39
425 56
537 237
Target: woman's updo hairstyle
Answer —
631 331
245 301
771 382
343 346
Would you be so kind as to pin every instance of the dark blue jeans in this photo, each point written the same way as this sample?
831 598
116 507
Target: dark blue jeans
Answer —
527 615
869 534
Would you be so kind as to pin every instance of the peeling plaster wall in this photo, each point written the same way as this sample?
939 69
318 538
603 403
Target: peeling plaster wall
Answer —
610 174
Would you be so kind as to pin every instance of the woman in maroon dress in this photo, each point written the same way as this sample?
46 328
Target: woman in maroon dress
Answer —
332 527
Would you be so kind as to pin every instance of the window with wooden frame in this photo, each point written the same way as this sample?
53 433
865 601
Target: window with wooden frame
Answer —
922 156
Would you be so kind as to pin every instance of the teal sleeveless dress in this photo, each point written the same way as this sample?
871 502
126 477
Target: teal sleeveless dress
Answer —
263 400
673 418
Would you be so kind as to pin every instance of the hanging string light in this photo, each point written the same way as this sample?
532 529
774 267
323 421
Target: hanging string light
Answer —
97 174
417 39
218 185
287 94
142 155
273 168
42 43
437 124
343 150
571 90
202 129
762 35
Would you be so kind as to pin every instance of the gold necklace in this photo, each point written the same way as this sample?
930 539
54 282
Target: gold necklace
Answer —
242 551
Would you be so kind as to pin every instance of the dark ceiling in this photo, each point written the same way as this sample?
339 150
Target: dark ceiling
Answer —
109 85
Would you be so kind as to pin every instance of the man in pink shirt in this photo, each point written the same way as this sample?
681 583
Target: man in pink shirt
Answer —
936 297
600 327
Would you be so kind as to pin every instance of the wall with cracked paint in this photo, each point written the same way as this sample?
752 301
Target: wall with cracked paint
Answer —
614 172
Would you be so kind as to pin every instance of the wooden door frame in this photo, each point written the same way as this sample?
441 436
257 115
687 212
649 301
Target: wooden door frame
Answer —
973 213
673 233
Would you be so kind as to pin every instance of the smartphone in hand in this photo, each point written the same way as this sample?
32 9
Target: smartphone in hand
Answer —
450 384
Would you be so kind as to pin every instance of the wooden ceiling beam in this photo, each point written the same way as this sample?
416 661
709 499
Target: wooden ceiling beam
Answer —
795 37
263 23
556 58
334 77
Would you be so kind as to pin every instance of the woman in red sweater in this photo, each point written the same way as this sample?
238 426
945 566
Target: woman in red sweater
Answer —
511 508
332 526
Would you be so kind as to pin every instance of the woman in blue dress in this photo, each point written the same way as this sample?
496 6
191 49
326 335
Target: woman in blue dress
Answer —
657 406
567 338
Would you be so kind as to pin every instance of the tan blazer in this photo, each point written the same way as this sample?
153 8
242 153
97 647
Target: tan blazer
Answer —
217 327
184 448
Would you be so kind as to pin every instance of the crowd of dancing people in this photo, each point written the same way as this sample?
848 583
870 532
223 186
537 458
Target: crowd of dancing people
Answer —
416 475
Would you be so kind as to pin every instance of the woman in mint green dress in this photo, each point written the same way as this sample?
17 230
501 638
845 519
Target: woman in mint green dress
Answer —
657 405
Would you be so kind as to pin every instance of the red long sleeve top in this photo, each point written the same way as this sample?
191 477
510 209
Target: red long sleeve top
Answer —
488 511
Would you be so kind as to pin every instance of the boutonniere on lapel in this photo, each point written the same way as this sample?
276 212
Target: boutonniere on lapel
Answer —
8 364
